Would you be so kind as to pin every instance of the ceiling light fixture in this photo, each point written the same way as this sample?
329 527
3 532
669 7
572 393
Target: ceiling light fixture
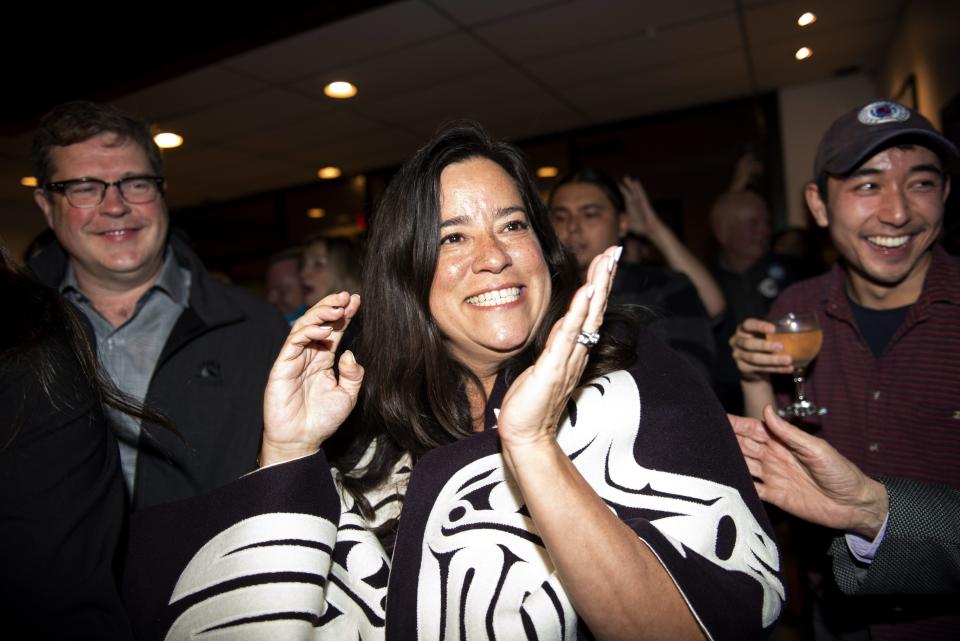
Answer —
803 53
547 171
316 212
29 181
329 173
807 19
168 140
340 89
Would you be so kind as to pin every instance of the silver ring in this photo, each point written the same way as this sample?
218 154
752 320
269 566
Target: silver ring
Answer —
588 339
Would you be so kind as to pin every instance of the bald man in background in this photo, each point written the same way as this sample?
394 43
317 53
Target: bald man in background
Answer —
750 276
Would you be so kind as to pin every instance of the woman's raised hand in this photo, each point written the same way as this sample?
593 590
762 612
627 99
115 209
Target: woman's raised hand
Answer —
305 402
531 410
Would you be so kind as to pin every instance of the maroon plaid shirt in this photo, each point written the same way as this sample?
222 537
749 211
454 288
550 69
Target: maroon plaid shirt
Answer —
896 415
899 414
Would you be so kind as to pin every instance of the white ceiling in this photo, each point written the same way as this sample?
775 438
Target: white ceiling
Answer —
259 120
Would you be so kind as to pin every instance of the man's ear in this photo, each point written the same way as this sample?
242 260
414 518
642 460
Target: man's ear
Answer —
946 188
41 197
815 202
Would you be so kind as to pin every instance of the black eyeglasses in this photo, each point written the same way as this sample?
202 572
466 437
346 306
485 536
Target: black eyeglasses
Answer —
90 192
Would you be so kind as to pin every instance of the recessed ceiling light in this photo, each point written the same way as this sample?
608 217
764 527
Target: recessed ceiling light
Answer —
340 89
29 181
329 173
316 212
547 171
168 140
803 53
807 19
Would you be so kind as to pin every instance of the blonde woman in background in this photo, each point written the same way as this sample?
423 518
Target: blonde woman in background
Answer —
329 265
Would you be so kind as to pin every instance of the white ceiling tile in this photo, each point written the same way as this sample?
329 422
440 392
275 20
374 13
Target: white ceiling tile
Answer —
848 10
257 121
335 124
456 99
630 55
260 111
201 89
584 23
530 112
472 12
645 91
777 21
860 46
335 45
410 69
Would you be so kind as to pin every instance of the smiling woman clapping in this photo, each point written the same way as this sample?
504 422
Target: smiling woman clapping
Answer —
553 474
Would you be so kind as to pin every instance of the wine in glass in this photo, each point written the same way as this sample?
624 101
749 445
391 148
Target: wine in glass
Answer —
801 337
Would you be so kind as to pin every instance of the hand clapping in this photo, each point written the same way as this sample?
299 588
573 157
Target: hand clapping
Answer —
304 402
532 407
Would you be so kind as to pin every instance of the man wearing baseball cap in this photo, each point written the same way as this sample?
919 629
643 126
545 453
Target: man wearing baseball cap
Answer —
888 372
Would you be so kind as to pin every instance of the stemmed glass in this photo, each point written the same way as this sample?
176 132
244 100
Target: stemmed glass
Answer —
801 337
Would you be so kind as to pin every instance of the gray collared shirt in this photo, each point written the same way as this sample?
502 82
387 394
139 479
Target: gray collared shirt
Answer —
129 353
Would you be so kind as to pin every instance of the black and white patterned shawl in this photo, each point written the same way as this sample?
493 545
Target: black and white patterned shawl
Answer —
281 554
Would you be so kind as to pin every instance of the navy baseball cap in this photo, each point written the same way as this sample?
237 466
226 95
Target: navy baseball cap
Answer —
859 134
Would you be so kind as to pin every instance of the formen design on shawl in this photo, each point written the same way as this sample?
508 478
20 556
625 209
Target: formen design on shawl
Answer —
482 553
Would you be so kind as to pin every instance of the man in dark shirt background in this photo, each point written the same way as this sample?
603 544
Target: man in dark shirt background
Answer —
589 214
749 275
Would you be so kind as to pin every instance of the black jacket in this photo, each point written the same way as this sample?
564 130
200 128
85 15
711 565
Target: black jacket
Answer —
61 504
208 381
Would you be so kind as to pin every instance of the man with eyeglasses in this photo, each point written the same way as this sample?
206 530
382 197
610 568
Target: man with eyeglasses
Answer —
168 335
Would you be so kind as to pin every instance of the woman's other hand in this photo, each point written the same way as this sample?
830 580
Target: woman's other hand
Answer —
532 407
305 402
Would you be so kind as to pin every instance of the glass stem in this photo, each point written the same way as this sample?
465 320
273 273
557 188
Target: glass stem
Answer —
798 382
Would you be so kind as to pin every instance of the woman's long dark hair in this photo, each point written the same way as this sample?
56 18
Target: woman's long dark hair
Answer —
414 393
37 322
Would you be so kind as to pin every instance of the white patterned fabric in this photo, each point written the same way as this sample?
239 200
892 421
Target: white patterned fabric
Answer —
284 554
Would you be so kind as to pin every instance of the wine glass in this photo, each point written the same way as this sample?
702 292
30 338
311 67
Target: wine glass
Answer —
801 337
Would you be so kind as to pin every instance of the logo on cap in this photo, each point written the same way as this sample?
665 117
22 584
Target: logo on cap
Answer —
877 113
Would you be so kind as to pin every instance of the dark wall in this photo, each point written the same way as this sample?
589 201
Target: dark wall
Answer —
683 158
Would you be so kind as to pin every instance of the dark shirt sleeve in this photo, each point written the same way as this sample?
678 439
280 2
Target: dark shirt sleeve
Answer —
920 551
673 309
687 326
